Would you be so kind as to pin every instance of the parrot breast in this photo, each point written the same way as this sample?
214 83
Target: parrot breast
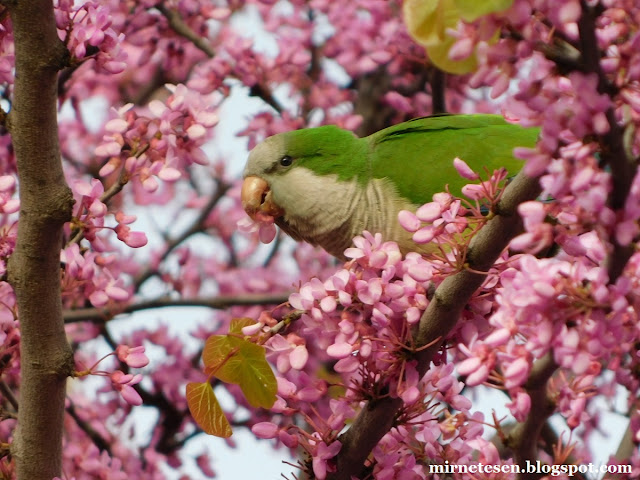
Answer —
326 211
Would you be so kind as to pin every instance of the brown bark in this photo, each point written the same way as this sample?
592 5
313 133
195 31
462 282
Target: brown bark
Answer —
34 267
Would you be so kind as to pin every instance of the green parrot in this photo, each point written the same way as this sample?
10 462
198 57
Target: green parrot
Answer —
324 185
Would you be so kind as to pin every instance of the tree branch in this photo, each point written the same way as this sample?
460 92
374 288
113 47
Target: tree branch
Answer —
179 26
171 417
623 169
197 226
34 267
101 315
8 395
438 84
524 437
96 438
450 298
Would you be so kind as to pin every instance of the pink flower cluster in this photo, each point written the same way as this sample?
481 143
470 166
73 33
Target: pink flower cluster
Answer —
359 320
88 276
161 143
121 382
87 33
540 310
445 215
124 383
9 206
6 53
90 216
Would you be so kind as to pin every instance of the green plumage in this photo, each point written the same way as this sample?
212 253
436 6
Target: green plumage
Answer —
332 185
418 155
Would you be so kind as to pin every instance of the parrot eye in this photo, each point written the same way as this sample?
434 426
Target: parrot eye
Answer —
286 161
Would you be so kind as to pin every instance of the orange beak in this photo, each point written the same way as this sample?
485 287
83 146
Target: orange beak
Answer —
257 200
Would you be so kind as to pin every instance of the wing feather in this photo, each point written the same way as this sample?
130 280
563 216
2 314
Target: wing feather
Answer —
417 156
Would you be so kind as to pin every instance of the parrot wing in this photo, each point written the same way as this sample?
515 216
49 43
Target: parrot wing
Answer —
417 156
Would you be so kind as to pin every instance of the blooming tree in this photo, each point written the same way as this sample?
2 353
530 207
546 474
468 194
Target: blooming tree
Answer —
116 197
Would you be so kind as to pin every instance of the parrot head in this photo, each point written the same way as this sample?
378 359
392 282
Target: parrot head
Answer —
268 163
289 178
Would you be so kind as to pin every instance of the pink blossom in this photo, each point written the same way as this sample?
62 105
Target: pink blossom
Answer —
124 384
324 453
298 357
520 406
464 170
516 372
132 356
409 221
265 228
265 430
8 204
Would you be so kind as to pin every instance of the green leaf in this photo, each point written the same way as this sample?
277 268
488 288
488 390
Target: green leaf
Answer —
258 383
427 22
235 360
237 324
218 351
206 410
421 19
439 56
471 10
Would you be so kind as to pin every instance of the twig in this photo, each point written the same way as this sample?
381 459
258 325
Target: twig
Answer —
197 227
273 251
177 25
313 74
101 315
171 417
524 437
96 438
8 394
623 169
437 82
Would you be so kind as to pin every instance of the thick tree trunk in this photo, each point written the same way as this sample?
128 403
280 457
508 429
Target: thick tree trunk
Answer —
34 267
